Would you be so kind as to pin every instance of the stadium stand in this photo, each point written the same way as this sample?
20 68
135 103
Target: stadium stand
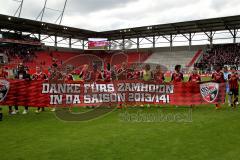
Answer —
170 59
196 57
33 56
226 54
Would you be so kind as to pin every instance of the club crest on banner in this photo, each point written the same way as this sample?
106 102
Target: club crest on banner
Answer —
209 91
4 88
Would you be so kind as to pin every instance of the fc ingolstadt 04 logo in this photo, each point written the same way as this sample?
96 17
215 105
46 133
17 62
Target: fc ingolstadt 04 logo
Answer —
209 91
4 88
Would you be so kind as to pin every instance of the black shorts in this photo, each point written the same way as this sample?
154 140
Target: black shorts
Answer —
233 92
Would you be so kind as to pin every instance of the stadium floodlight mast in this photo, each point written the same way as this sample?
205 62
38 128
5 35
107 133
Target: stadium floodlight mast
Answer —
60 17
42 11
19 9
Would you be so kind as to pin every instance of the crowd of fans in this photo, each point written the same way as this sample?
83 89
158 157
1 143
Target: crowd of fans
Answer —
17 36
24 53
220 55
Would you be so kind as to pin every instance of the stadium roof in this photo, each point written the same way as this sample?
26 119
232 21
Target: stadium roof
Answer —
206 25
37 27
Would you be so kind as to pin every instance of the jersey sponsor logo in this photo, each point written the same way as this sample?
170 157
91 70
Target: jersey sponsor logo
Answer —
209 91
4 88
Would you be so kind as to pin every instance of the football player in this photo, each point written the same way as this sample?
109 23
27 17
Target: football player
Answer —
158 75
147 74
233 87
177 76
39 76
85 73
195 77
107 77
22 74
54 76
3 75
95 74
122 72
68 76
226 74
218 77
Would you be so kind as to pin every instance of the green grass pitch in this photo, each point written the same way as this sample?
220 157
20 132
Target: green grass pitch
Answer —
212 134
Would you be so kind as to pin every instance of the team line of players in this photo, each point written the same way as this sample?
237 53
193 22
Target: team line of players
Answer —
124 73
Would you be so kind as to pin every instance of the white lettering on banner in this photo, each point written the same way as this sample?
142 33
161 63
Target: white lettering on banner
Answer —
145 97
60 88
94 88
73 99
141 87
56 99
94 93
104 98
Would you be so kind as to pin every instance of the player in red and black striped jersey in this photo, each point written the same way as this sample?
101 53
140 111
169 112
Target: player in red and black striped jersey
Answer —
38 76
218 77
122 73
85 73
54 73
68 75
106 75
68 78
130 74
233 80
194 77
137 74
177 76
95 74
158 75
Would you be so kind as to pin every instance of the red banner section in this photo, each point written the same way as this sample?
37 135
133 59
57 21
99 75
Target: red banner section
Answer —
43 93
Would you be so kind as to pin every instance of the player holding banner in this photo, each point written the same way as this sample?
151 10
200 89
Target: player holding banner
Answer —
194 77
107 74
218 77
68 77
54 77
39 76
158 75
177 76
85 73
122 74
22 74
147 74
95 75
